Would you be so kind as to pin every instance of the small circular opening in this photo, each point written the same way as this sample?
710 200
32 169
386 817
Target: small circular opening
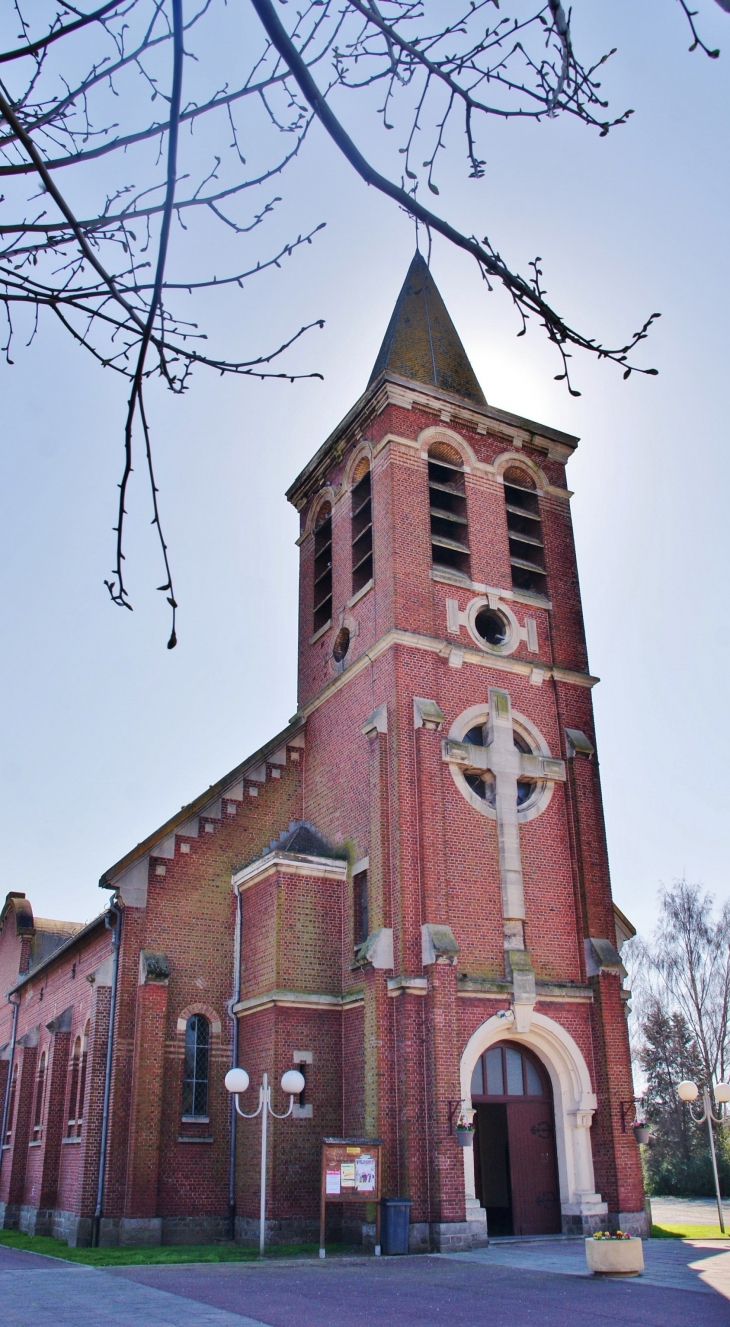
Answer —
341 645
492 626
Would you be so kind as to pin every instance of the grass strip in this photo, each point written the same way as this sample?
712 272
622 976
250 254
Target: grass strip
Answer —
162 1253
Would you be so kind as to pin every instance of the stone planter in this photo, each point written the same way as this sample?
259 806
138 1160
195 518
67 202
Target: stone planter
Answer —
464 1137
615 1257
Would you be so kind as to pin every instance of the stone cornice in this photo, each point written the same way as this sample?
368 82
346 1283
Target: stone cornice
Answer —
500 664
390 389
298 1000
324 868
544 990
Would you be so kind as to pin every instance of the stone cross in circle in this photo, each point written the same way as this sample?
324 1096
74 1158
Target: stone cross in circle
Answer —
500 757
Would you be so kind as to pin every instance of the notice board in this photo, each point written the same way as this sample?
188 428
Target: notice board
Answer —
351 1173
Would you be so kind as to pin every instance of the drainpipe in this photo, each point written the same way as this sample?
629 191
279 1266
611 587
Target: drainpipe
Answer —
234 1064
6 1103
116 930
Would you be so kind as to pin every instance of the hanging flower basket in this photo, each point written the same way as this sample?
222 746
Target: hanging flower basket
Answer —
642 1133
465 1135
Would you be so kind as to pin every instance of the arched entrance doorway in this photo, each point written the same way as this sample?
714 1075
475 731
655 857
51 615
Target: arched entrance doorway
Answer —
515 1160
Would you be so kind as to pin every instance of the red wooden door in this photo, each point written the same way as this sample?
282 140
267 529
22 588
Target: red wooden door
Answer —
533 1166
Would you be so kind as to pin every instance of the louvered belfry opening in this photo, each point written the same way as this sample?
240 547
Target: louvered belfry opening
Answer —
323 568
447 503
362 528
526 549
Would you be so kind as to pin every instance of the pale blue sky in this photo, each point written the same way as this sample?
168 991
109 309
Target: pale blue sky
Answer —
105 733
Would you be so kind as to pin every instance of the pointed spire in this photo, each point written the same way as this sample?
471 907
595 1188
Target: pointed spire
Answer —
421 342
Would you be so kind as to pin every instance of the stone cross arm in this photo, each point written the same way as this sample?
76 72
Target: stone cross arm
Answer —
491 758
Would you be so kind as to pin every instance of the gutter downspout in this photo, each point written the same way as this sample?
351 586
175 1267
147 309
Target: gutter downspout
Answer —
116 930
6 1103
234 1064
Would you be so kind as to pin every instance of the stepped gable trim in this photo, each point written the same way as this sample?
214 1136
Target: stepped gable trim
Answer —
497 663
388 389
72 940
199 805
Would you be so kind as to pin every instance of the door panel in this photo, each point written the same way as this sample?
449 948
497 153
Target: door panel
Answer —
533 1167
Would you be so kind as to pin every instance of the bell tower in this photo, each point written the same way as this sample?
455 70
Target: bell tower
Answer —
444 680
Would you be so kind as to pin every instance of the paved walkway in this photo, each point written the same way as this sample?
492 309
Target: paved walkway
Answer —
537 1283
688 1211
698 1266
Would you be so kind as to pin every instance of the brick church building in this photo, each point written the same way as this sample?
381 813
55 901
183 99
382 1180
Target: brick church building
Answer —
405 893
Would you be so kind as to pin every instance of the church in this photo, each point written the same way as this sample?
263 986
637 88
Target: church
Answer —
405 894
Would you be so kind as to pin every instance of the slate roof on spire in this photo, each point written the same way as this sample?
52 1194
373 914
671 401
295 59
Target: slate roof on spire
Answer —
421 342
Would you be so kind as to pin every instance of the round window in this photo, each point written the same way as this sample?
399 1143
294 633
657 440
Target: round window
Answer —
485 785
479 785
492 626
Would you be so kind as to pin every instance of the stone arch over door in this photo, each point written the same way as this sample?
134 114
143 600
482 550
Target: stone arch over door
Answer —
574 1102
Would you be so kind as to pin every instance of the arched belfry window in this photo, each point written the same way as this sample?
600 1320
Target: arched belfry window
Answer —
195 1074
323 567
447 505
362 527
524 527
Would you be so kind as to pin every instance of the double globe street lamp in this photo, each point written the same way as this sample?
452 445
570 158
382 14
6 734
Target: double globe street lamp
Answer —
237 1081
689 1092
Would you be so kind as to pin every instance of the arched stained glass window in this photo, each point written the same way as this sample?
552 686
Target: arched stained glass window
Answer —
195 1075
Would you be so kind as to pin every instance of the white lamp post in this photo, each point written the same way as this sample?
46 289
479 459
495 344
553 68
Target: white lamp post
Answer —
689 1092
237 1081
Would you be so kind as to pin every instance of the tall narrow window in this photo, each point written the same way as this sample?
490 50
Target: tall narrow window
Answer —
73 1091
82 1082
362 528
447 503
11 1108
323 568
39 1097
195 1077
526 551
360 904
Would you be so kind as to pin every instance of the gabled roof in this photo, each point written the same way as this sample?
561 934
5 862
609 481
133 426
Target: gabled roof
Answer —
421 342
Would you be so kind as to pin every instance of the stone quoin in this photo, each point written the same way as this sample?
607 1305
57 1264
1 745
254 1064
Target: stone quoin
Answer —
405 893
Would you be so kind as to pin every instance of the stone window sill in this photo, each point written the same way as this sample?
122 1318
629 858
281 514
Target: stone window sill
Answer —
367 587
190 1138
36 1142
321 632
196 1119
69 1140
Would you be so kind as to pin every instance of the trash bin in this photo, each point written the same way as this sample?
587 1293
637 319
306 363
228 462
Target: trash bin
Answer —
395 1220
